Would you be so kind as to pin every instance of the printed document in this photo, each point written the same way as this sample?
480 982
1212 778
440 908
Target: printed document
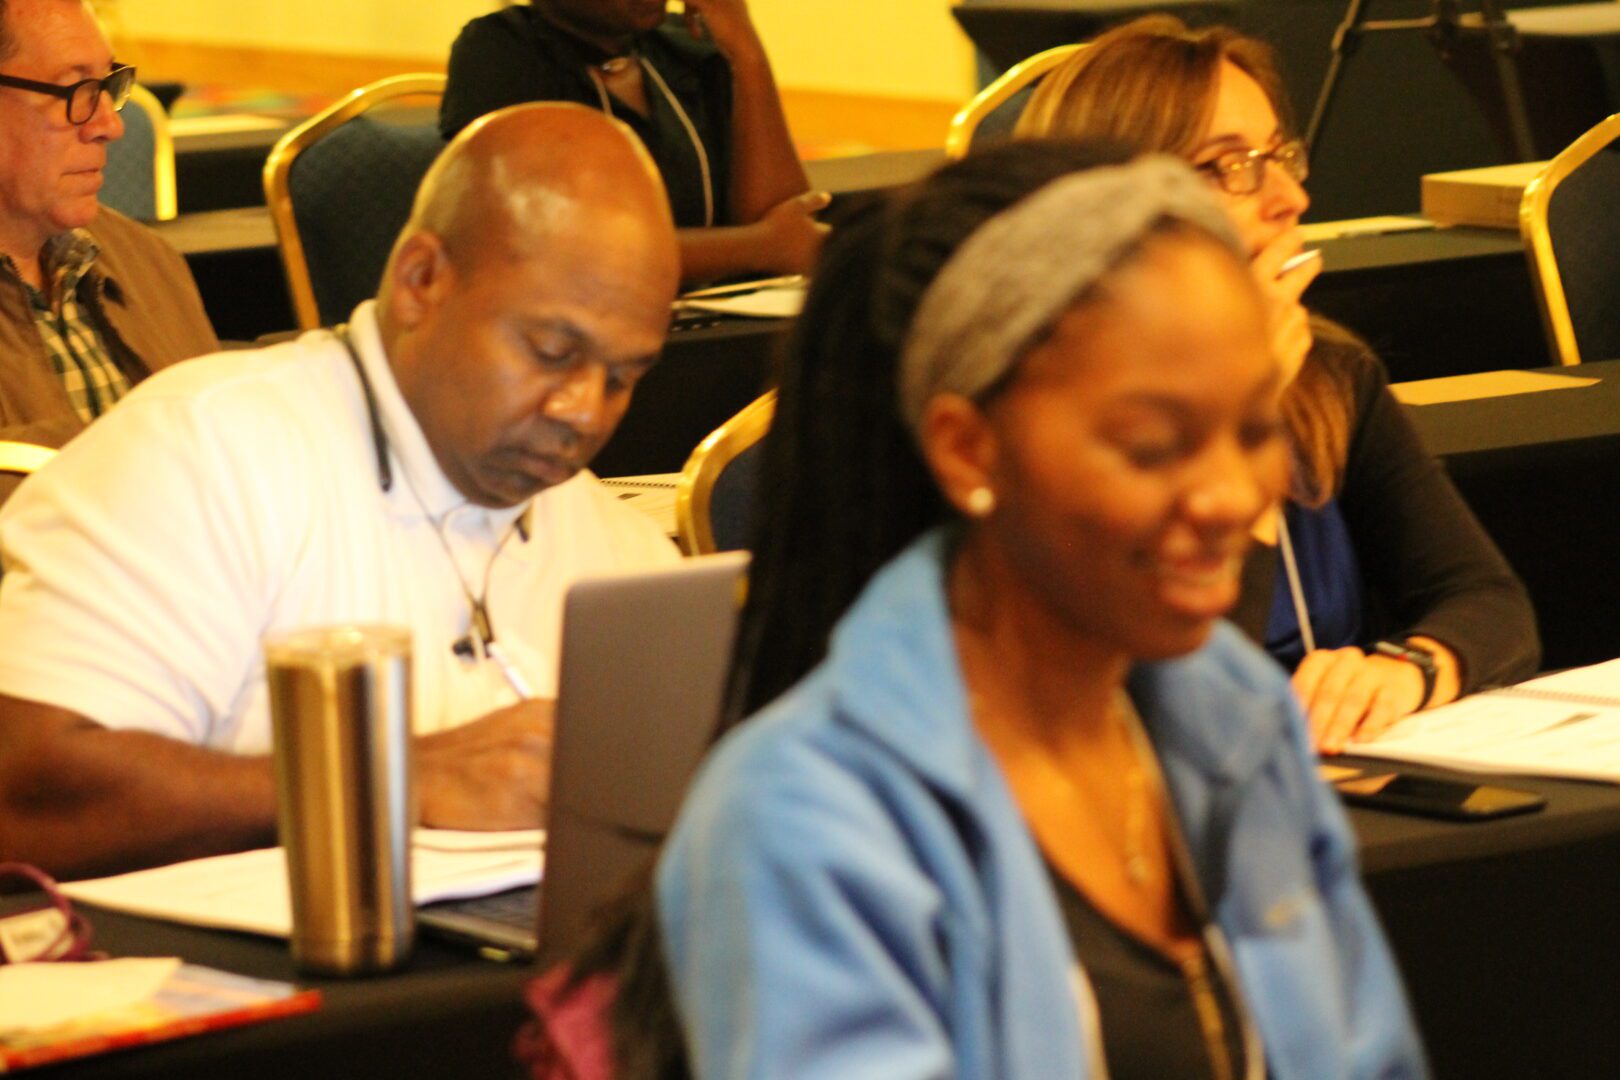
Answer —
1564 725
248 890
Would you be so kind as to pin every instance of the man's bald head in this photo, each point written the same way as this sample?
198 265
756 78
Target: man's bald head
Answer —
524 176
529 291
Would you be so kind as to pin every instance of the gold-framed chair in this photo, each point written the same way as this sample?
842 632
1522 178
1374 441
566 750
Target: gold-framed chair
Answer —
715 496
138 180
1005 97
1572 238
340 187
21 458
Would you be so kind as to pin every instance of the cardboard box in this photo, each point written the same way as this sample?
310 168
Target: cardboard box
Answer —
1487 197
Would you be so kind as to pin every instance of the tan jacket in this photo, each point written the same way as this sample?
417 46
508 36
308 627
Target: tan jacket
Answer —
142 298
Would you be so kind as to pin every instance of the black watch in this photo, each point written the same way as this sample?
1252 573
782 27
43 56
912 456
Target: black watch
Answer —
1417 656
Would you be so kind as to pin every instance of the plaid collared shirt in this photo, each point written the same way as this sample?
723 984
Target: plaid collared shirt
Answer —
78 354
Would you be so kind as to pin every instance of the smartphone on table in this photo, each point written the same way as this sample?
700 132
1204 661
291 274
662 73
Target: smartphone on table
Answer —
1454 800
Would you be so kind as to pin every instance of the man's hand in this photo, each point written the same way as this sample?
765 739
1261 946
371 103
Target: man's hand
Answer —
1290 323
490 774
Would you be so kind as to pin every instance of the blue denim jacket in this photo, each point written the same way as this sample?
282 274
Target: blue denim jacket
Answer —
852 892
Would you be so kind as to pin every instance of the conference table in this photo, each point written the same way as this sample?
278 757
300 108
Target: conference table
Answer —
1431 301
1542 473
1505 932
1401 290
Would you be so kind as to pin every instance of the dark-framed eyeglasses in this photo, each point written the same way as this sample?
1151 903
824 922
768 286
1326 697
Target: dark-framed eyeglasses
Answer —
1241 172
83 98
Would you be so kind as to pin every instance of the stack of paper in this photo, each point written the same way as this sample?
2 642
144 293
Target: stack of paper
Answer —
248 890
1560 725
1487 197
34 996
769 298
653 495
53 1012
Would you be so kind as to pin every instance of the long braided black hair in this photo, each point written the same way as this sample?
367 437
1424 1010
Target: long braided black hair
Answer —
844 488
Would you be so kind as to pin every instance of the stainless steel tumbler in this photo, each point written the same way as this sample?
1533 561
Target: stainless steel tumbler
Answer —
340 705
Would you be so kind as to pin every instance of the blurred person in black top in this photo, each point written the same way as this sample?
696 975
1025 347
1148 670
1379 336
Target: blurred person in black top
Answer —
697 89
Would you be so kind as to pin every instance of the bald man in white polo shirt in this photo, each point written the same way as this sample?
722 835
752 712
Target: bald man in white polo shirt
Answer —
421 467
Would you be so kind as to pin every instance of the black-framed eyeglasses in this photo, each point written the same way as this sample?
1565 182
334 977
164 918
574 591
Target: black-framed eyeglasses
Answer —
84 96
1241 172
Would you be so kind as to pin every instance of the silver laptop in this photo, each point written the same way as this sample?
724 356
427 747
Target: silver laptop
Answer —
640 684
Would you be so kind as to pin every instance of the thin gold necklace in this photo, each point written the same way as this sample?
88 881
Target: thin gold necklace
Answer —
1132 846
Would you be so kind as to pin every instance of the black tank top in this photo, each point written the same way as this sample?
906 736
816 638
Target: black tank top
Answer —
1147 1003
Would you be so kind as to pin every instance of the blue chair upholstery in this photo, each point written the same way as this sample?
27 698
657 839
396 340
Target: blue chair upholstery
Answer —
1585 232
733 501
717 497
340 188
1573 235
351 194
139 178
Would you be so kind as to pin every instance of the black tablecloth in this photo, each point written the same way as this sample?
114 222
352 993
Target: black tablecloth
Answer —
448 1014
1504 930
1542 472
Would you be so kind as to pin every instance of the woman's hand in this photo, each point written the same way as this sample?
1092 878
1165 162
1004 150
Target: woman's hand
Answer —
1290 322
793 235
1348 694
727 24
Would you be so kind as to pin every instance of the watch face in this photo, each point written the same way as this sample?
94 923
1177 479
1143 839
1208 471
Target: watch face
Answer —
1412 654
1423 658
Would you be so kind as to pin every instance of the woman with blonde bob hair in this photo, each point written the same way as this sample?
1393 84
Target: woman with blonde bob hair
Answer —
1375 584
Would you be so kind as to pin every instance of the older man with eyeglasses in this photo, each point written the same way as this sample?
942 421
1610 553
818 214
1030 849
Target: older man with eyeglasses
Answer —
90 302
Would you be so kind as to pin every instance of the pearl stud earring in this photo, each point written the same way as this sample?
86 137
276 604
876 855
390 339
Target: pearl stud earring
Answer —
981 502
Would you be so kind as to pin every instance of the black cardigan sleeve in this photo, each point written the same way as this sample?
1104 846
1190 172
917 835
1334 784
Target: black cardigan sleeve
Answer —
1427 565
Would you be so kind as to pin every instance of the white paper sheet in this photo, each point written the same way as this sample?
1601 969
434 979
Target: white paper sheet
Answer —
1565 725
653 495
778 302
36 996
248 890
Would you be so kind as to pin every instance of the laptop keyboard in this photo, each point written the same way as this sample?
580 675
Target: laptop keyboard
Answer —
514 908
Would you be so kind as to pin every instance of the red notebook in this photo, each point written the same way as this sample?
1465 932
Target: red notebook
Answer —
194 1000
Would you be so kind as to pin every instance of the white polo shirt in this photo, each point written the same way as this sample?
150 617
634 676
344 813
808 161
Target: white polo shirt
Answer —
237 496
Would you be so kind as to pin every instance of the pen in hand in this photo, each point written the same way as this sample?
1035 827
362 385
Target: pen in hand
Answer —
1297 261
514 678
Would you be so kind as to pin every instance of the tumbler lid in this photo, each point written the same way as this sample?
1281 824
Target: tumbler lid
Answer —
336 646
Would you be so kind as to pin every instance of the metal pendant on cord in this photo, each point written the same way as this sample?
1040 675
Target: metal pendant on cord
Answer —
686 123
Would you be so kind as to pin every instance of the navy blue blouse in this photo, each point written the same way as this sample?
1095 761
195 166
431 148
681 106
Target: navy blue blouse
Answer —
1330 577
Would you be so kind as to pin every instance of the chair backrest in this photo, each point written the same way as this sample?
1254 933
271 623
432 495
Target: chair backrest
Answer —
994 111
1572 236
22 458
139 178
340 186
715 499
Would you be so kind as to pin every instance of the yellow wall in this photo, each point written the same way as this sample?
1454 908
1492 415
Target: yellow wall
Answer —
363 27
886 48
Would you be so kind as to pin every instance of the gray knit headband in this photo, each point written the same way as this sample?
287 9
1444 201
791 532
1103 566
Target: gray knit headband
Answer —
1017 272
